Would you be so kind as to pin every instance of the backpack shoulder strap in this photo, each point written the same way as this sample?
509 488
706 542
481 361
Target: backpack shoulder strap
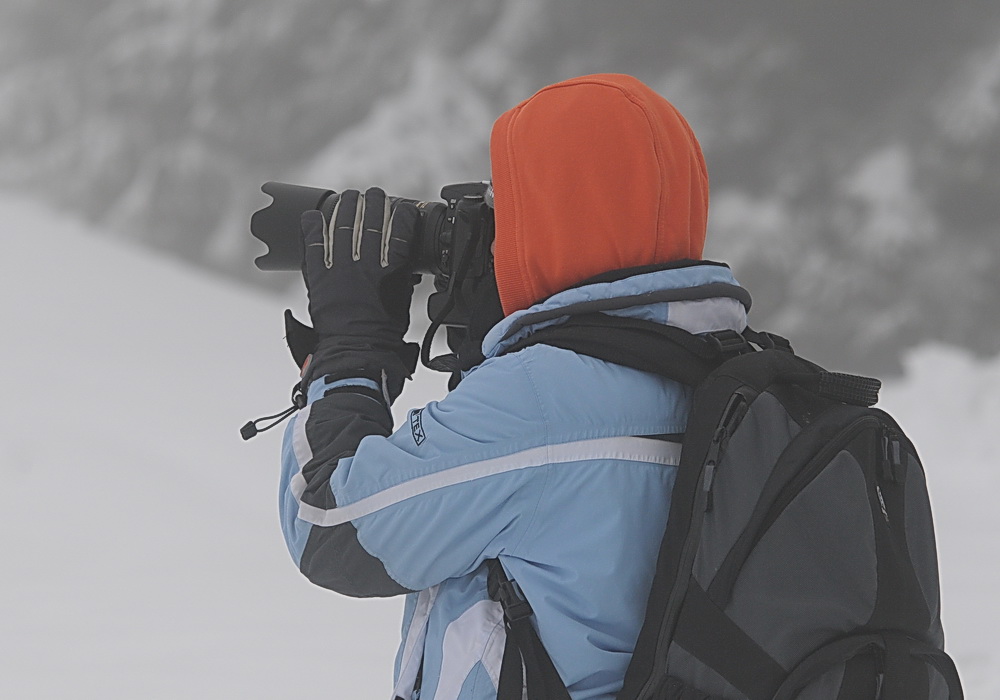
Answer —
689 359
644 345
523 649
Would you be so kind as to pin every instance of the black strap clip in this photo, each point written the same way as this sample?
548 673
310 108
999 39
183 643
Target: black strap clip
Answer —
767 341
507 593
727 343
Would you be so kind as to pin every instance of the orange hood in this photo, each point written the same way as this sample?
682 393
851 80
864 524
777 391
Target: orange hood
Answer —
592 174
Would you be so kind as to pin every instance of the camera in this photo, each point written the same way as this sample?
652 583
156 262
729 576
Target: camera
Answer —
453 240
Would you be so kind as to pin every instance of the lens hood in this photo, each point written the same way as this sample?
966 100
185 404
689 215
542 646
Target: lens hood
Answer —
278 224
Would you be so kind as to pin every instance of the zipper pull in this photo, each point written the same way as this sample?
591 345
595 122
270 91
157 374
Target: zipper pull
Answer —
891 462
708 484
884 465
879 673
250 428
712 462
896 459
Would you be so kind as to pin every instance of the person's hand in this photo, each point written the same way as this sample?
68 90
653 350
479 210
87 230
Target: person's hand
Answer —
360 282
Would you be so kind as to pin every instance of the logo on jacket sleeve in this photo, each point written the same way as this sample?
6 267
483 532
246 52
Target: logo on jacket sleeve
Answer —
417 426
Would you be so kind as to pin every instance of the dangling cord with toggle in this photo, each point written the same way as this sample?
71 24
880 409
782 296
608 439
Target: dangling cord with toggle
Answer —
250 429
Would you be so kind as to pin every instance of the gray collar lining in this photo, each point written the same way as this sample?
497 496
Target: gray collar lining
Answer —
705 291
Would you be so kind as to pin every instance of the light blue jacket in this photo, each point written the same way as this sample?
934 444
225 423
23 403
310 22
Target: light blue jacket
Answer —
538 458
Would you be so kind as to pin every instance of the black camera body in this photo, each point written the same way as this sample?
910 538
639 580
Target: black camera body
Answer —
454 240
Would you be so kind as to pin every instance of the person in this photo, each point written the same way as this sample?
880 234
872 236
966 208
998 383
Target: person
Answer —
557 464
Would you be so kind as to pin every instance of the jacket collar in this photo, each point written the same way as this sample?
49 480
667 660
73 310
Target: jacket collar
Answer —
698 299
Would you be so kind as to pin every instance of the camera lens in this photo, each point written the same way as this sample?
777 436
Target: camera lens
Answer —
430 255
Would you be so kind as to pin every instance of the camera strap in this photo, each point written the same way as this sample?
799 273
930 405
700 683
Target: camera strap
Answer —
448 362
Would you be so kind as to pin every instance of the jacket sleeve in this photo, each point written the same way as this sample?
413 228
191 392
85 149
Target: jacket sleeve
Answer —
368 512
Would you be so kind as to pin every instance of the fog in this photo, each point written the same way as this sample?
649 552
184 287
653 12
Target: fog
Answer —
854 155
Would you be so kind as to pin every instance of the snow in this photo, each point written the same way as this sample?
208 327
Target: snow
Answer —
141 554
141 551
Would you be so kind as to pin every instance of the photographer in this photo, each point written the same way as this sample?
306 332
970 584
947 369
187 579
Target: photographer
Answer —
556 464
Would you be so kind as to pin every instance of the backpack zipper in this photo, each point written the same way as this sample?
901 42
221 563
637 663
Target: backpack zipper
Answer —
730 416
734 412
879 672
891 462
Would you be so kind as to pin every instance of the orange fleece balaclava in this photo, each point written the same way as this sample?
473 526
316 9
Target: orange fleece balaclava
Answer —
592 174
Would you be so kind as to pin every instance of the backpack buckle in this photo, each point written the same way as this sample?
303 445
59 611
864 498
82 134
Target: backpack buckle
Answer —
727 343
515 605
767 341
507 593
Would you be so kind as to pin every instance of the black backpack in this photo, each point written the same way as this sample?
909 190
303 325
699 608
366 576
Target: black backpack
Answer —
798 559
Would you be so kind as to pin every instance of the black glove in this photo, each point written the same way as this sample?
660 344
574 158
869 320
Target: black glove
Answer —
360 282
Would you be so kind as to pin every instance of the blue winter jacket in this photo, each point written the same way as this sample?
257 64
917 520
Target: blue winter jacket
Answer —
556 463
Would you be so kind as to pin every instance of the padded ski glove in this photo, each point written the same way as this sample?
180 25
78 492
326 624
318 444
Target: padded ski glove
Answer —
360 283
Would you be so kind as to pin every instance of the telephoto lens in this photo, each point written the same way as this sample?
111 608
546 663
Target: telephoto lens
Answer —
277 225
453 240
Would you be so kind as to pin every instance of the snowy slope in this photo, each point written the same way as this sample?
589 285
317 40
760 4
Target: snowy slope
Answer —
141 554
140 549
